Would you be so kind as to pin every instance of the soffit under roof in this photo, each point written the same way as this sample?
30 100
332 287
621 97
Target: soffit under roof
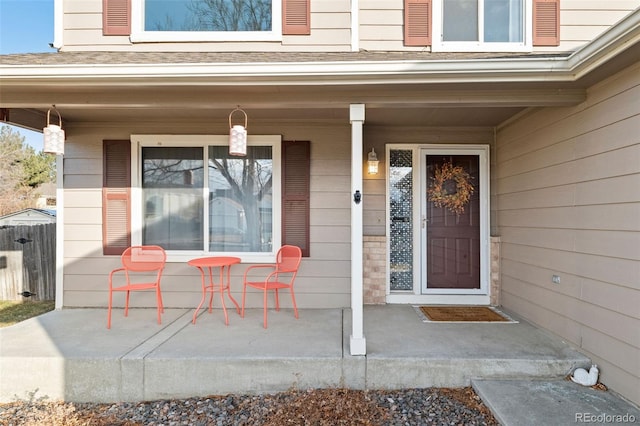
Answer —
397 101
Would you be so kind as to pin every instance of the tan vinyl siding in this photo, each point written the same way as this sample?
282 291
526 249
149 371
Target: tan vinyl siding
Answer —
330 32
82 232
382 25
324 279
82 199
83 6
83 21
328 21
381 28
568 200
81 249
581 21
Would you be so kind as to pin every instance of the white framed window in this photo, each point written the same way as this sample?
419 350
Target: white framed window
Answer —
230 207
206 20
482 25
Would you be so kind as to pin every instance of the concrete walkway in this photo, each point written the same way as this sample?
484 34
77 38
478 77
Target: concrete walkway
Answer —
70 355
553 402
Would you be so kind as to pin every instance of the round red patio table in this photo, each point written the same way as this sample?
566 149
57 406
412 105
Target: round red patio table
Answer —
210 263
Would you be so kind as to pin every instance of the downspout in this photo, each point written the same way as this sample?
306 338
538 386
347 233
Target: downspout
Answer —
357 342
355 25
58 19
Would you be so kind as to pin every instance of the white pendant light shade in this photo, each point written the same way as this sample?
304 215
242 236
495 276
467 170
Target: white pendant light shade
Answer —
238 140
53 136
238 136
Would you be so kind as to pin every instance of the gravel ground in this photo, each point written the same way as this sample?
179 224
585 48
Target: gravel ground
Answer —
433 406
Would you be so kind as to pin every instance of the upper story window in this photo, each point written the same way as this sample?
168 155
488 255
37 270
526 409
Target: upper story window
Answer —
482 25
206 20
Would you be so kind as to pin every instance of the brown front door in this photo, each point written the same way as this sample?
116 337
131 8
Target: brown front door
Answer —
452 247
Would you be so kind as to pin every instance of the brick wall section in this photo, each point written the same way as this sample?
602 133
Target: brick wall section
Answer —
495 271
374 269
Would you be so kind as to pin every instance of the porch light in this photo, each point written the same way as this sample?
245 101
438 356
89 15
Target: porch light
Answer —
53 135
373 162
238 135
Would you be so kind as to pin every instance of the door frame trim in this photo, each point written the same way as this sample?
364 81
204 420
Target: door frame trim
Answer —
442 296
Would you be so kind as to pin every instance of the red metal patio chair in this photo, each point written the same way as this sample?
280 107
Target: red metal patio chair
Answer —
282 275
138 264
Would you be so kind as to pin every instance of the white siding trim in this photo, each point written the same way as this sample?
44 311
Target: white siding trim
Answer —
58 20
59 232
355 25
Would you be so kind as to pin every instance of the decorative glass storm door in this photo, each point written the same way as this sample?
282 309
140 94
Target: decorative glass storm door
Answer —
451 222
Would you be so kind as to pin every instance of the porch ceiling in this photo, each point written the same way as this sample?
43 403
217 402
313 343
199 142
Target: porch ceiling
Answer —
392 104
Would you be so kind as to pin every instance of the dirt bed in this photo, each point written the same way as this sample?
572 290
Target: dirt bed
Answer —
433 406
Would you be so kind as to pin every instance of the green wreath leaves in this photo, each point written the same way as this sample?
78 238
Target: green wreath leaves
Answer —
450 188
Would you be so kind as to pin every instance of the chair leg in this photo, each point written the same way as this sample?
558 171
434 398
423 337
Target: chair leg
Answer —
277 301
293 299
159 302
244 295
109 310
265 307
126 304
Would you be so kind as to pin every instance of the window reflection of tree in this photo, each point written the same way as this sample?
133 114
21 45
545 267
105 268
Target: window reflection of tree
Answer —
249 181
221 15
170 173
172 181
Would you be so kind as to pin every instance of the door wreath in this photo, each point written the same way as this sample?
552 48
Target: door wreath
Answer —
450 187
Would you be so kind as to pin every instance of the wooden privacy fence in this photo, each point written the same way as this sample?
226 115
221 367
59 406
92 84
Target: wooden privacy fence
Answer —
28 261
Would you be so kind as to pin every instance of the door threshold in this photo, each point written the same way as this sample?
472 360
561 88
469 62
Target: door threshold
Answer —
440 299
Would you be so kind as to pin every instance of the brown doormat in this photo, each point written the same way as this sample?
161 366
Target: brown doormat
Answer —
463 314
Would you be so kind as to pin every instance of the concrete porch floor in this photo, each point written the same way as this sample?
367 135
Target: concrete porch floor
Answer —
70 355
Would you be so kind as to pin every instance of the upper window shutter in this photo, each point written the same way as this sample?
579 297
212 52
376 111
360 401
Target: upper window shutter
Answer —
296 17
116 197
417 22
546 22
296 160
116 17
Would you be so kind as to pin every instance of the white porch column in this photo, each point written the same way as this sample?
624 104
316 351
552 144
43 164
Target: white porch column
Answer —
357 343
59 232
